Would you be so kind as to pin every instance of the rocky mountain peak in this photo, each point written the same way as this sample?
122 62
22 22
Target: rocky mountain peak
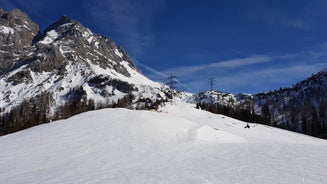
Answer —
64 21
17 32
16 13
66 70
68 40
19 21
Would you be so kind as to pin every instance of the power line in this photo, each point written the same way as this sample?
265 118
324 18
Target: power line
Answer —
172 81
212 82
160 74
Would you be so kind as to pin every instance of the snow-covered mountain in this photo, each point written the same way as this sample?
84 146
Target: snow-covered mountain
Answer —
301 108
180 144
66 70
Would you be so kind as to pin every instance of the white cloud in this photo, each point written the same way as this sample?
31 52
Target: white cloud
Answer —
233 63
195 78
268 78
156 72
249 75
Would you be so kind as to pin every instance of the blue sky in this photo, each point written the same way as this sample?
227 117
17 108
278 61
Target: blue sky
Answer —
247 46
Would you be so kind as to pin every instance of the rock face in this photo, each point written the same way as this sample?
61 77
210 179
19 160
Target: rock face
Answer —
300 108
17 32
65 70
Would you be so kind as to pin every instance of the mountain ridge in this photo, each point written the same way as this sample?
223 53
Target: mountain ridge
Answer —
66 70
301 107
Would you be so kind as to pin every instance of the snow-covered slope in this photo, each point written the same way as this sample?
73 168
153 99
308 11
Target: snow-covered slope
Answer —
180 144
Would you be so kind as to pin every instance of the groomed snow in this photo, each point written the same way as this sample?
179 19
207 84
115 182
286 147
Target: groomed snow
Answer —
180 144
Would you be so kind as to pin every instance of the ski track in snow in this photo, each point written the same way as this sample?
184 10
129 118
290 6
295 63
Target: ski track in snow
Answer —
179 145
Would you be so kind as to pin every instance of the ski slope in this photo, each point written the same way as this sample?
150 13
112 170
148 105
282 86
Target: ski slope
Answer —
180 144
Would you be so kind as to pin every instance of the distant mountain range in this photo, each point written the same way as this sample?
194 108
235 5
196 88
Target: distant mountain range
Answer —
68 69
300 108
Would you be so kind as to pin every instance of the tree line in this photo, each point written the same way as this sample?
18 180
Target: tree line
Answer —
39 109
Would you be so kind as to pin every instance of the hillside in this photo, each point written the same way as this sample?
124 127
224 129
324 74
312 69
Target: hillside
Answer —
180 144
300 108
